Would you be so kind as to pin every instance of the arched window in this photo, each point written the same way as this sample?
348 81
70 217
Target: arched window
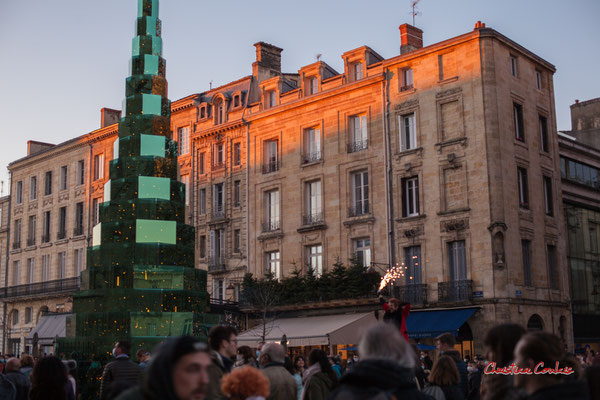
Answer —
219 111
535 323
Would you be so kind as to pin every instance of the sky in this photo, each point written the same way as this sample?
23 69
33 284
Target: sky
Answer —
61 61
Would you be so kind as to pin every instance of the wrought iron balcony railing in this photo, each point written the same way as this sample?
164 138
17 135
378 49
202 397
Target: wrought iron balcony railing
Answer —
218 164
218 212
358 145
61 235
311 157
30 242
455 291
270 166
271 226
315 218
415 294
16 245
359 209
78 231
45 238
30 289
216 263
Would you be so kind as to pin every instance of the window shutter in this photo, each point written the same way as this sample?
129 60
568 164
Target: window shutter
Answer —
363 127
222 244
212 243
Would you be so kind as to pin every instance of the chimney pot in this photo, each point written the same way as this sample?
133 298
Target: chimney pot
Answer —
479 25
411 38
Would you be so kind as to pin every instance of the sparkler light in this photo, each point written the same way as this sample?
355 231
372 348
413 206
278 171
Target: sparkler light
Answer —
392 274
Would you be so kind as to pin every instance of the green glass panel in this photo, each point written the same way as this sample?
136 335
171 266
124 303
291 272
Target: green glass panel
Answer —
163 324
152 145
151 104
116 149
150 64
147 7
97 235
150 187
156 45
135 49
107 191
148 231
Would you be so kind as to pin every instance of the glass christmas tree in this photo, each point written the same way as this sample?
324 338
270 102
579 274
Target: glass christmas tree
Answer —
140 283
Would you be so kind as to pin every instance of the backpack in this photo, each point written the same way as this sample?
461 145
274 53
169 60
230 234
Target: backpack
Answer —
434 391
8 391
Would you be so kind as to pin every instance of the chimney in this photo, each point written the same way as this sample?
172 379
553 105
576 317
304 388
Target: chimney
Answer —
479 25
411 38
268 61
108 116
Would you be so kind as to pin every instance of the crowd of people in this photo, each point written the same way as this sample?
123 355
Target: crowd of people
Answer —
386 366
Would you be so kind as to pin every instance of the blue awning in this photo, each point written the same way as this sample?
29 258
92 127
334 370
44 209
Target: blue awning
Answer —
424 324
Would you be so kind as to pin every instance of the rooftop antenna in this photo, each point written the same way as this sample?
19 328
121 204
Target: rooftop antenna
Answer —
318 56
414 12
210 84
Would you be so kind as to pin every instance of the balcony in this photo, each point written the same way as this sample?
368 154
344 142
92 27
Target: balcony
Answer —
311 157
455 291
359 209
30 242
271 226
16 245
270 166
358 145
78 231
415 294
315 218
46 238
216 264
218 212
67 285
218 165
406 88
61 235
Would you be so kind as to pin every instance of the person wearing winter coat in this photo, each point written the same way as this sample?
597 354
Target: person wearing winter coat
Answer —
444 380
319 379
445 345
386 368
245 383
396 313
281 383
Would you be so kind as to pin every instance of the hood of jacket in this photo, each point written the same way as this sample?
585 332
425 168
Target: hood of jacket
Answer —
575 390
382 374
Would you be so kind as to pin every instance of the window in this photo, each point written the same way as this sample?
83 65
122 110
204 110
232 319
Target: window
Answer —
219 289
236 100
62 265
217 247
412 262
273 264
80 172
16 272
15 321
552 271
237 153
98 166
47 220
218 200
538 79
31 230
272 210
358 133
271 159
523 188
62 222
360 193
314 259
203 112
64 177
183 137
33 188
185 179
580 173
219 112
312 145
48 183
78 261
410 197
17 235
28 315
219 155
457 261
518 117
202 250
314 211
236 193
548 205
19 192
357 71
593 230
202 201
271 98
313 85
407 79
236 240
408 134
30 270
526 250
96 211
544 134
202 163
78 230
45 268
514 67
362 251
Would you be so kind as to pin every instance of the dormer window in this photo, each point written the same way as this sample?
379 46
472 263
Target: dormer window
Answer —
357 71
203 112
271 99
313 85
219 111
236 101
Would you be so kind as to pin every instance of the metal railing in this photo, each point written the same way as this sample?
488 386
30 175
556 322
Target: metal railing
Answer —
315 218
411 293
78 231
406 87
455 291
61 235
359 209
312 156
30 242
358 145
218 164
16 245
56 286
218 212
270 226
270 166
45 238
216 263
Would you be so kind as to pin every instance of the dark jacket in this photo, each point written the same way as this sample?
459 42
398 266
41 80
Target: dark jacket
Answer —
474 385
118 376
318 387
462 370
281 383
21 382
574 390
397 317
219 367
371 378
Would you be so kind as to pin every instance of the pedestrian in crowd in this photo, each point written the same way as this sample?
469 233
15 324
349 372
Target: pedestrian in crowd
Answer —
426 360
500 342
299 364
49 380
27 365
298 373
386 368
120 374
222 341
245 383
445 345
352 362
543 347
474 381
444 380
396 312
13 374
281 383
258 348
589 356
337 368
592 378
245 357
143 356
319 379
179 371
71 366
288 364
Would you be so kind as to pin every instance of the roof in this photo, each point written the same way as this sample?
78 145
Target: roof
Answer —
49 328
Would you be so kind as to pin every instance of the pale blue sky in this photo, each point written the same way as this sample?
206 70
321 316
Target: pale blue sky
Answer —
63 60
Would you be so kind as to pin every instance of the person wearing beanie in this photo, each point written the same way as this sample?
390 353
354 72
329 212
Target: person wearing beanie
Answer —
245 383
178 371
